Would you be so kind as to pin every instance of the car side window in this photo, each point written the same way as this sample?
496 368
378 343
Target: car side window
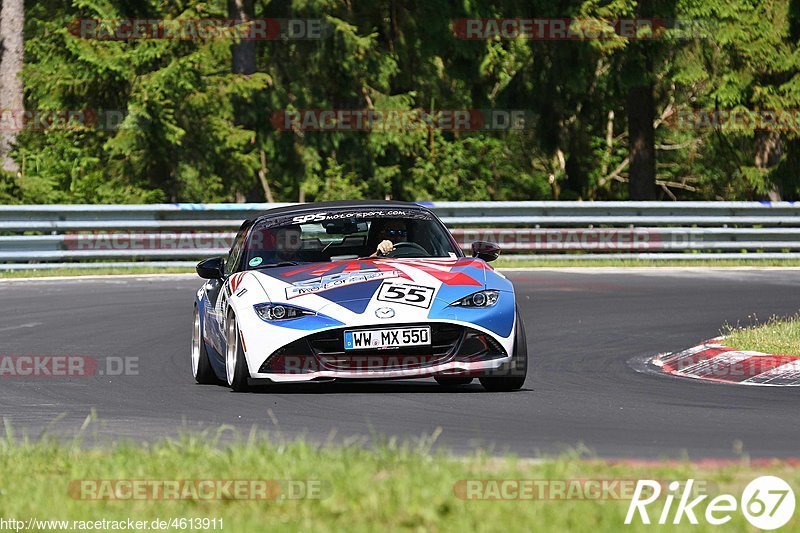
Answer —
236 251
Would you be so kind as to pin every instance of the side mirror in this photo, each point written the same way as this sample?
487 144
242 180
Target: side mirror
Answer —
213 268
488 251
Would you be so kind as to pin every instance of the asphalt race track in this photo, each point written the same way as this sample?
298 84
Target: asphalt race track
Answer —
583 328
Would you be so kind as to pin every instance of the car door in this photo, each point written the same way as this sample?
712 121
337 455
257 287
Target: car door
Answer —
217 297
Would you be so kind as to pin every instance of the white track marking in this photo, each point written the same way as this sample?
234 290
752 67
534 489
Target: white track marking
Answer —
21 326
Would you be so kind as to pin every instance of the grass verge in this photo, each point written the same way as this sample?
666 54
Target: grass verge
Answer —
388 487
779 336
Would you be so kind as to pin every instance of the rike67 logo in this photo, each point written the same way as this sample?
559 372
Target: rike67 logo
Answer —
767 502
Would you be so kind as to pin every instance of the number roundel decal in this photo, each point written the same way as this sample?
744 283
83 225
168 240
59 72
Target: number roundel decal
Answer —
416 295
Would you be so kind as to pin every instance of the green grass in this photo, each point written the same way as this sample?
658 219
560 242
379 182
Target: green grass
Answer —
776 336
388 487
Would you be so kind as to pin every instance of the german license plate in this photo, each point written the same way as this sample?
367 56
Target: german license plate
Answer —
387 338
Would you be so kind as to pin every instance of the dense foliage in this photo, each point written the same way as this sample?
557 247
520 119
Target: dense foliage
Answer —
194 128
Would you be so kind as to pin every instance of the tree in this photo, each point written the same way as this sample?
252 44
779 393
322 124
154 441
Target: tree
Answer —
748 65
641 110
12 21
244 51
199 115
643 57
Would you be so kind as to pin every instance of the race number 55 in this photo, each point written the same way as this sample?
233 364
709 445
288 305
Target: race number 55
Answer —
416 295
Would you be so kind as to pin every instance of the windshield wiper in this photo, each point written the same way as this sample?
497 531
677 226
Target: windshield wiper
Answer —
281 264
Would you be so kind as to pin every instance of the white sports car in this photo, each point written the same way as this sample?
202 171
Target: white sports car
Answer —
355 290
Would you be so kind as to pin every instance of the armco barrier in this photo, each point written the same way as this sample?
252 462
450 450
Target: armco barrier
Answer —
49 235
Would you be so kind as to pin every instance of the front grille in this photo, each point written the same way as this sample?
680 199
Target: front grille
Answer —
328 347
325 351
444 338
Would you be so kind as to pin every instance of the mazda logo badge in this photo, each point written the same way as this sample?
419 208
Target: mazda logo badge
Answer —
384 312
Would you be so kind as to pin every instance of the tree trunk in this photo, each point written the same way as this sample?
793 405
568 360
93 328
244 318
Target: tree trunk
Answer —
641 108
609 143
262 176
769 151
12 18
243 61
244 52
641 143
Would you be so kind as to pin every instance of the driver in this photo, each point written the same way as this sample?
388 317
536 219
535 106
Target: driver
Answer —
389 234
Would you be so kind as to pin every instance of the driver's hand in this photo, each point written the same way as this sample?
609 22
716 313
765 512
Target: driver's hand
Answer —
385 247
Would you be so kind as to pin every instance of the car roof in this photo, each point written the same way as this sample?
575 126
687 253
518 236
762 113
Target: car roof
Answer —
335 205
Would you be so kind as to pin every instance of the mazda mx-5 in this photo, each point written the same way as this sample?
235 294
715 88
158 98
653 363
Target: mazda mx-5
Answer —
355 290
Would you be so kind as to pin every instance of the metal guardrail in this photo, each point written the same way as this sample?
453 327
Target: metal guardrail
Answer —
44 234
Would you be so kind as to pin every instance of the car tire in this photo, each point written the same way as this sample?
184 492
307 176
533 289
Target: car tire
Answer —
511 376
235 362
201 366
452 381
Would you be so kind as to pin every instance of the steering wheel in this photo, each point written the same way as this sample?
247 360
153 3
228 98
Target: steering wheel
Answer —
407 249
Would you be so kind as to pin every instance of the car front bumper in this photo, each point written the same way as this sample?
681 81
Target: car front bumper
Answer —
457 349
453 368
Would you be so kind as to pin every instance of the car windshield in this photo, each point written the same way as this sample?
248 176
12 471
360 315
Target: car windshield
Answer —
333 236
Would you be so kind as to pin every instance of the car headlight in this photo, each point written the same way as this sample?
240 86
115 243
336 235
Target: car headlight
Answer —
273 312
479 299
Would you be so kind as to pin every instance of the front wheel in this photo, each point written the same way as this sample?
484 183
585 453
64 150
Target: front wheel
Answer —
235 362
201 366
511 376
